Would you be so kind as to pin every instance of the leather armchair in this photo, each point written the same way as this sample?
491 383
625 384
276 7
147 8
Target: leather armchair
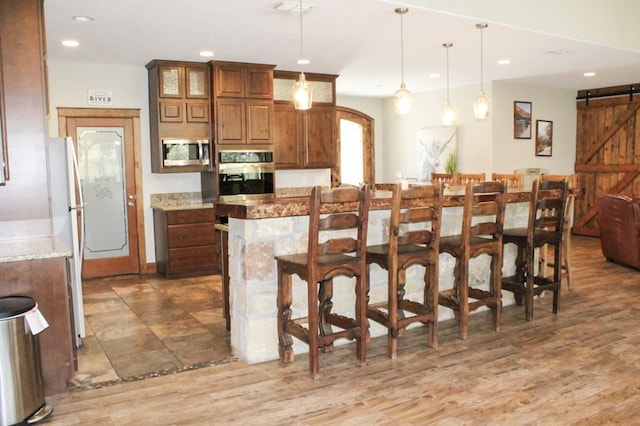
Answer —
619 222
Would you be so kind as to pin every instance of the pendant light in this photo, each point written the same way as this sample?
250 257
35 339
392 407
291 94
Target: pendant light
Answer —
302 95
481 104
402 98
448 116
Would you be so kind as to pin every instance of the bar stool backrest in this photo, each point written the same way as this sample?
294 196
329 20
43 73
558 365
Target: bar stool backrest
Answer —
484 210
548 203
416 216
353 212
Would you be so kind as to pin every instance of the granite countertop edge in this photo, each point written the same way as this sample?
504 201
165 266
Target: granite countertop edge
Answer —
33 249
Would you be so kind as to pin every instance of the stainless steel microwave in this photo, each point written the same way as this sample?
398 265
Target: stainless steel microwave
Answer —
185 152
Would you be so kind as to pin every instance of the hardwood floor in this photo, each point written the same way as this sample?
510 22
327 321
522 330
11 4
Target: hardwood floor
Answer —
581 366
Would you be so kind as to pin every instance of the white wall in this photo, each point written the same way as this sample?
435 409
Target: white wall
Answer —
557 105
68 85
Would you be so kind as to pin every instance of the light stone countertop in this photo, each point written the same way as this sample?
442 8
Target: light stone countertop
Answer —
33 249
179 201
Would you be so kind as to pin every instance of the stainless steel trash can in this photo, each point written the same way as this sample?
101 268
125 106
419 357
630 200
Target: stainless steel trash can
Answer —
21 387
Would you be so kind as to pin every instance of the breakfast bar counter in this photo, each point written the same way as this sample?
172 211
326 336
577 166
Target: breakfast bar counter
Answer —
261 229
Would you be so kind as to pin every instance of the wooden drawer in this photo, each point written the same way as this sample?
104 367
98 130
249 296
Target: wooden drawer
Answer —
193 258
190 216
196 234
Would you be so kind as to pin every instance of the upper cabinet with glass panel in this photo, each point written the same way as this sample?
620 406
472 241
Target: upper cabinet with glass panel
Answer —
179 108
323 86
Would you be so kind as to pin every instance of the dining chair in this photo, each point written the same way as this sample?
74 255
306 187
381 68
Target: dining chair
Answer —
336 246
481 233
512 180
473 178
545 227
444 178
414 237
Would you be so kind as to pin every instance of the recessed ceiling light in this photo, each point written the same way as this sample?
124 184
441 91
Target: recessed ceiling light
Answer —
70 43
589 74
303 61
434 75
206 53
557 52
82 18
504 61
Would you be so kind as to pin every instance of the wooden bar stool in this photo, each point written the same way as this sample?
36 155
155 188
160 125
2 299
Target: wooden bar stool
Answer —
414 236
482 227
511 180
337 245
473 178
566 228
545 227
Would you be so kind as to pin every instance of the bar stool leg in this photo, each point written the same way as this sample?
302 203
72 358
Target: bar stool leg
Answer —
496 289
285 346
314 355
462 286
325 294
530 287
361 317
431 301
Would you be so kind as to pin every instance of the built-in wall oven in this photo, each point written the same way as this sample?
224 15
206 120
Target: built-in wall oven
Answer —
245 174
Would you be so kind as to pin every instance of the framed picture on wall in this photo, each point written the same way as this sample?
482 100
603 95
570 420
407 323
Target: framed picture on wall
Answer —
521 120
544 138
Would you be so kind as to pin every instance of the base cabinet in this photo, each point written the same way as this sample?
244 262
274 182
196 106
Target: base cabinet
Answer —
186 243
47 282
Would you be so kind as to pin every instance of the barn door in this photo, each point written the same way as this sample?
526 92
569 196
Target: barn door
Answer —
607 152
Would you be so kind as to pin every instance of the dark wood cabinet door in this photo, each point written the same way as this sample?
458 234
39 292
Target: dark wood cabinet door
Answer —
229 81
259 83
259 122
320 140
230 121
287 136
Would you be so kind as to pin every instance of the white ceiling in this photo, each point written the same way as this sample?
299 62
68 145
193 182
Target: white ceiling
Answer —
356 39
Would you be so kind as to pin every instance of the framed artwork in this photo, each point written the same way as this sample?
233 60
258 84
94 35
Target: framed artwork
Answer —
521 120
437 147
544 138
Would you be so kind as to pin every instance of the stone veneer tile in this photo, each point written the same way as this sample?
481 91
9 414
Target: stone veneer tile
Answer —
258 261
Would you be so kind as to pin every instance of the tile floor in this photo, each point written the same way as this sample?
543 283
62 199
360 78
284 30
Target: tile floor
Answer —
142 325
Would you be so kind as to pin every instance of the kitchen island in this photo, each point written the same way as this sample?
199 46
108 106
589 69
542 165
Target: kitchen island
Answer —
259 230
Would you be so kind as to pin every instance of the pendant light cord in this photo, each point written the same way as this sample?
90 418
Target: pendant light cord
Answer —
481 60
402 46
448 45
301 53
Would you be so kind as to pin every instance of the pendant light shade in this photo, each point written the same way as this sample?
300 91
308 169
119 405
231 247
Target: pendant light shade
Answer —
402 99
448 116
481 104
302 94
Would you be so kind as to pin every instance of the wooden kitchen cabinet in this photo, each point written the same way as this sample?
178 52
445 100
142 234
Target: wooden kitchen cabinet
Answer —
244 121
179 108
186 243
304 139
243 103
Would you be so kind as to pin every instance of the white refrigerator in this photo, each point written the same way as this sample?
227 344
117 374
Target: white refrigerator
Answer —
68 217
